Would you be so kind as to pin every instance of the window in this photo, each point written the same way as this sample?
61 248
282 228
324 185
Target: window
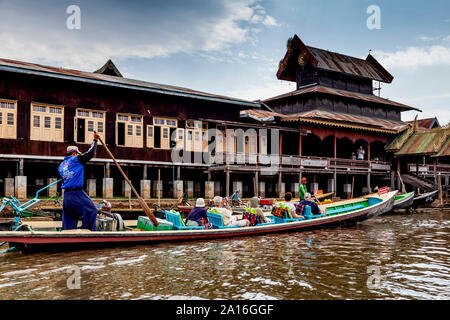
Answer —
57 123
36 121
10 119
129 131
8 125
150 137
162 132
85 123
52 117
197 136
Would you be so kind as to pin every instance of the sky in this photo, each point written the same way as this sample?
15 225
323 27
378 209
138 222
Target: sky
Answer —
232 47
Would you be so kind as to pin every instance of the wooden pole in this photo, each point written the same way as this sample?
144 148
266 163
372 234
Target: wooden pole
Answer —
353 184
441 196
144 206
159 187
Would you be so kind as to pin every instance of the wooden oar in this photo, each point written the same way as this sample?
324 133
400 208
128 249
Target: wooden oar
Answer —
144 206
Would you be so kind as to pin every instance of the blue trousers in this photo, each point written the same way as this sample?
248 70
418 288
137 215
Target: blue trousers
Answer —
77 204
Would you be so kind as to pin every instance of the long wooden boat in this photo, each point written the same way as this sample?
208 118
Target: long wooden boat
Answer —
424 198
345 212
403 201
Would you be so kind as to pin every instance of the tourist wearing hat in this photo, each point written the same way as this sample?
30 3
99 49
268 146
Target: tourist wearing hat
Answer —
227 213
197 214
303 189
76 202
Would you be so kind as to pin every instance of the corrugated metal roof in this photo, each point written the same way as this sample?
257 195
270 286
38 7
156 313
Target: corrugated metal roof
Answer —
333 61
347 120
425 142
103 79
426 123
261 115
369 68
342 93
445 150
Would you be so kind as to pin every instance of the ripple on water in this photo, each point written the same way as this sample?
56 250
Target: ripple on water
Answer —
411 252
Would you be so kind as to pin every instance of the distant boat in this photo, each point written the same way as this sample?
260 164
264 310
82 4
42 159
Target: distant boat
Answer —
344 212
424 198
403 201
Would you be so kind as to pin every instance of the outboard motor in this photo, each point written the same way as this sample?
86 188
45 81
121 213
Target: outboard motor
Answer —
107 220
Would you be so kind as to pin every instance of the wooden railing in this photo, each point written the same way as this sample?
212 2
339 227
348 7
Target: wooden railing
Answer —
428 168
290 161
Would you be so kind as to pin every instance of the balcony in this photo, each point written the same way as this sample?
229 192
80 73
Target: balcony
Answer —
290 163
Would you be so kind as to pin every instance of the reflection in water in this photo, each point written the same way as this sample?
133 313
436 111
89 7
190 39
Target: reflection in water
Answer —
411 250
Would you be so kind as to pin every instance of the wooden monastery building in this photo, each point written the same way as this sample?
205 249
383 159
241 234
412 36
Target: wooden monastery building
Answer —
259 147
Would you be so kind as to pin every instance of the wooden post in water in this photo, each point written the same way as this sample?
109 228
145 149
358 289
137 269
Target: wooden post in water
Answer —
158 187
353 184
441 196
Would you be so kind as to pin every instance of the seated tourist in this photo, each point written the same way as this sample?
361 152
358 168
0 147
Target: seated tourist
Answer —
291 205
308 202
197 214
253 207
227 213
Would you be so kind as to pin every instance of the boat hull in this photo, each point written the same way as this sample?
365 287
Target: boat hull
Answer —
50 240
425 198
404 203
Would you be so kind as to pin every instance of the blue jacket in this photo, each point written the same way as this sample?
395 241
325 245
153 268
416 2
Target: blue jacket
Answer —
72 168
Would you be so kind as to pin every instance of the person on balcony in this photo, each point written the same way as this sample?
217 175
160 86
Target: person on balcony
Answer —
76 201
222 208
361 153
303 189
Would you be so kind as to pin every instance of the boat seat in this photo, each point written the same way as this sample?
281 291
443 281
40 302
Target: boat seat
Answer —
217 221
178 224
341 210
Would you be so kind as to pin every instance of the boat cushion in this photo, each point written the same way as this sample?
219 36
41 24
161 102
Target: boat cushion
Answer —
341 210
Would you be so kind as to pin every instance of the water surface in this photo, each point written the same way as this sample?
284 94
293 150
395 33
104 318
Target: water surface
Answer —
410 252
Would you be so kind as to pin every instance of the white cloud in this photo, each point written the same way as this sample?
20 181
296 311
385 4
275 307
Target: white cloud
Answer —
238 22
271 89
415 57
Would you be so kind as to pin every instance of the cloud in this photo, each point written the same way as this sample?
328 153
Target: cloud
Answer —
415 57
145 32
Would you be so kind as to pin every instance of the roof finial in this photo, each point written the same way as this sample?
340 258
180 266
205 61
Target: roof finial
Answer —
415 125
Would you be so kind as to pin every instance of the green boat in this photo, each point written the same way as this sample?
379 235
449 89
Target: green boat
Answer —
403 201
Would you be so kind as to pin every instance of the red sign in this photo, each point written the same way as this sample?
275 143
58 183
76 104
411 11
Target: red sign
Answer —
383 191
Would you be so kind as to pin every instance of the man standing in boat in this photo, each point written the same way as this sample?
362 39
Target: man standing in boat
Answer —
76 201
303 189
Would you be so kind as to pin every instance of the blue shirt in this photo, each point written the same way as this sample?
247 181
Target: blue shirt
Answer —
72 172
72 168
